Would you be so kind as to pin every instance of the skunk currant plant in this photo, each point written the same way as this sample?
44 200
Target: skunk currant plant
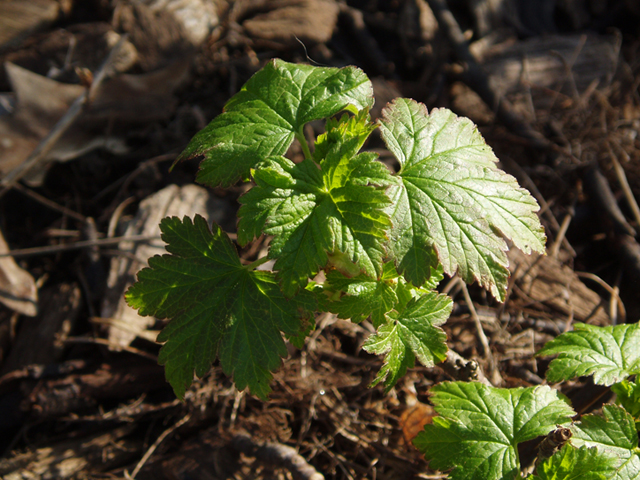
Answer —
382 238
480 427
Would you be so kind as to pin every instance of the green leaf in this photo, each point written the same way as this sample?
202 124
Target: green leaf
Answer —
610 354
628 396
412 331
480 427
315 212
615 435
363 296
269 111
453 199
216 306
572 463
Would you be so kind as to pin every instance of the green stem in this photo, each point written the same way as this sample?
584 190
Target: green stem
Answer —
303 144
257 263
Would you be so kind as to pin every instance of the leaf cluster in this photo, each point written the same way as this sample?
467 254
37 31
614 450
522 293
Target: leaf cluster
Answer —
382 239
480 427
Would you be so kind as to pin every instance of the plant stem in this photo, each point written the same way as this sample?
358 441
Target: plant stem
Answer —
303 144
257 263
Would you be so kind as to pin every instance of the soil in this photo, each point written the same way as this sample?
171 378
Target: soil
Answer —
553 89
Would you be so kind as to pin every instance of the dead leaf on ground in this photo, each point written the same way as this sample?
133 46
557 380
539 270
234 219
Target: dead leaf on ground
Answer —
538 72
17 287
73 457
413 420
286 21
59 310
18 18
120 102
170 201
56 54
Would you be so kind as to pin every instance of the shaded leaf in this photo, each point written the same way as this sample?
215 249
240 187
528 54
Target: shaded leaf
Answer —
216 307
363 296
628 396
572 463
313 213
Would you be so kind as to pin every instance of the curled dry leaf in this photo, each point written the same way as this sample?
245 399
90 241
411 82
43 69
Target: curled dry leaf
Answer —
17 288
413 420
41 102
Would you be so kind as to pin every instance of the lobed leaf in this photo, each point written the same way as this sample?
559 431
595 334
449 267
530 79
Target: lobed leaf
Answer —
411 332
572 463
453 199
610 354
269 111
216 307
480 427
615 435
362 296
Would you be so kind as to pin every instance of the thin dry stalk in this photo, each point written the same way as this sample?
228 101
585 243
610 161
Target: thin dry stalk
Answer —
612 291
155 445
555 248
496 379
626 189
29 252
277 454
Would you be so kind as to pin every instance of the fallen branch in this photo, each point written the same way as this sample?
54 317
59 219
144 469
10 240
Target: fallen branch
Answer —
278 455
459 368
619 232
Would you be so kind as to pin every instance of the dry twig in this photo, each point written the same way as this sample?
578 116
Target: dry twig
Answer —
155 445
496 379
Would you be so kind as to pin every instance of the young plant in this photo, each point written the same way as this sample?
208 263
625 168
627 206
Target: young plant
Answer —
382 238
480 427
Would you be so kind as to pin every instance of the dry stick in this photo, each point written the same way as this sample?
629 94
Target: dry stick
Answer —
148 335
496 379
155 445
28 252
278 455
613 302
620 174
50 203
104 341
555 248
459 368
76 108
527 182
368 44
624 183
115 216
477 79
613 291
621 234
